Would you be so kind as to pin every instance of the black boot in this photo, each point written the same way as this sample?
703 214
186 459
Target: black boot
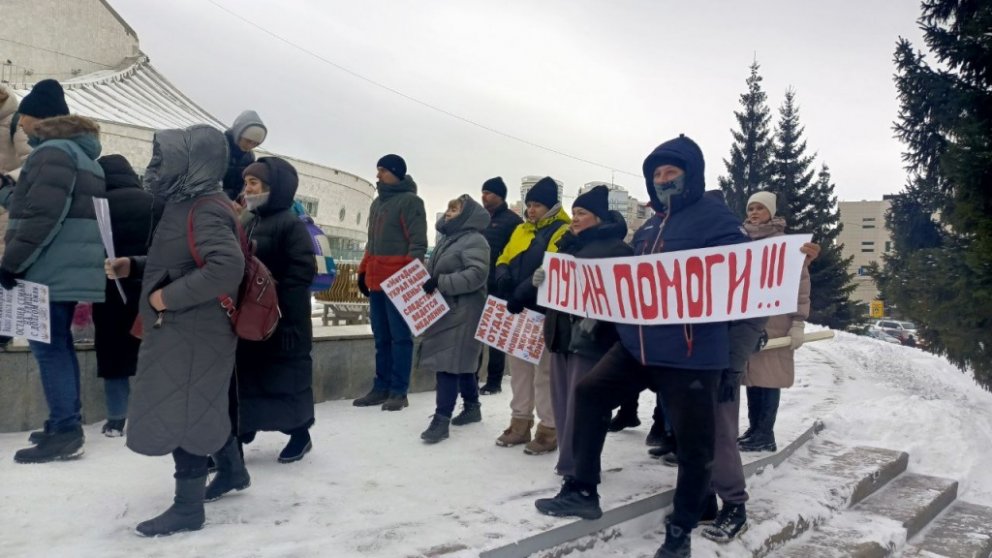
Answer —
731 523
759 441
395 402
656 436
113 428
666 447
437 431
298 446
574 500
677 543
372 398
491 388
54 446
625 419
231 471
471 412
185 514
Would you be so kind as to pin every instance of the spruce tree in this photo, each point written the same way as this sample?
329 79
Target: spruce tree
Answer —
792 176
940 271
830 296
749 168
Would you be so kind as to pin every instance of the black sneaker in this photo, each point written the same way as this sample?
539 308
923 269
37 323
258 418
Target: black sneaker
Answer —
437 431
395 402
731 523
758 441
299 445
677 544
113 428
56 446
656 435
490 389
573 500
623 420
372 398
471 412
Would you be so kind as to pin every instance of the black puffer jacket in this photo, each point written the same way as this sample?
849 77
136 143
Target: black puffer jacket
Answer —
275 375
502 221
134 213
562 331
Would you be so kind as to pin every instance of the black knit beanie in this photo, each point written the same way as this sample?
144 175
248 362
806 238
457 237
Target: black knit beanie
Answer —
259 170
545 192
596 200
46 100
496 186
394 164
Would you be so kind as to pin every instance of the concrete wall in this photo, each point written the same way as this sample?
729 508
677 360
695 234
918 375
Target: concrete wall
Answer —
342 363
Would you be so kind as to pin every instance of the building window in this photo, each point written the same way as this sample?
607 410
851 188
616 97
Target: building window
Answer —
867 226
867 250
341 215
866 243
358 218
888 246
309 204
867 219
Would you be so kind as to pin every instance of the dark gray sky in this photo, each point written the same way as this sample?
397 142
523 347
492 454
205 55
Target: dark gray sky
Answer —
603 80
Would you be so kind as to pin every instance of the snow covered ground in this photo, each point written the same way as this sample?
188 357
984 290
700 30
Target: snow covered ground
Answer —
370 488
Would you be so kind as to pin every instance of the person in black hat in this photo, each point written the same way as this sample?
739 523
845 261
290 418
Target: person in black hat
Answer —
502 222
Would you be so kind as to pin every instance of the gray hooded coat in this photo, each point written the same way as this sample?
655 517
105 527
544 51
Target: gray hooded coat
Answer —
460 263
179 396
239 160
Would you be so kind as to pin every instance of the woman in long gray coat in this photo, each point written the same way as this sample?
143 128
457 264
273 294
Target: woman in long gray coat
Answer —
179 397
459 269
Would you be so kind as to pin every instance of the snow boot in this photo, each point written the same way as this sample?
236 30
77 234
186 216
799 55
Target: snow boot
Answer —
231 472
545 441
518 433
185 514
395 402
437 431
729 524
759 441
372 398
299 445
711 511
747 434
113 428
656 435
666 447
55 446
671 459
573 500
37 436
677 543
471 412
624 419
490 388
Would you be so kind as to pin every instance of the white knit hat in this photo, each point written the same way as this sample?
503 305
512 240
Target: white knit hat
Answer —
254 133
766 199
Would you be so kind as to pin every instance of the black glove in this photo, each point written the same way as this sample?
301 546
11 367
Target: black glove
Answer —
504 286
7 181
7 280
514 306
430 285
362 287
762 341
730 385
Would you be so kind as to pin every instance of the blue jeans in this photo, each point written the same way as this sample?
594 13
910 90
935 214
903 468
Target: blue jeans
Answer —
59 370
393 345
449 386
117 391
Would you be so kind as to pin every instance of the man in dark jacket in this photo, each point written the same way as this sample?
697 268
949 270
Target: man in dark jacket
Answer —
682 362
247 133
397 236
53 239
501 224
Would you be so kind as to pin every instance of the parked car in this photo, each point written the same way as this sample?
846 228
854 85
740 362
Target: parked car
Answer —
883 336
905 332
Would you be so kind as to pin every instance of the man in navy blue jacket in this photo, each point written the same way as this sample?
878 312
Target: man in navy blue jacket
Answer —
682 362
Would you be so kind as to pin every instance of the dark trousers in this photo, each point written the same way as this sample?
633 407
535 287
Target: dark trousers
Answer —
393 345
762 409
630 407
689 397
497 363
189 466
728 470
59 370
449 386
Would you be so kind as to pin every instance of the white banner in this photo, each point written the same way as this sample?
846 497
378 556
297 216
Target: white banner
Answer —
406 289
102 208
520 335
24 312
724 283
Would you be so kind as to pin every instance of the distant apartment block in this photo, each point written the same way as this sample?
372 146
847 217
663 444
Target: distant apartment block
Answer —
866 238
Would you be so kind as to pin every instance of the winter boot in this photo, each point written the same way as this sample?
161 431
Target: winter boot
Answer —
518 433
437 431
711 510
656 435
231 472
759 441
185 514
574 500
372 398
747 434
624 419
666 447
545 441
37 436
299 445
731 523
471 412
671 460
677 543
491 388
55 446
246 438
395 402
113 428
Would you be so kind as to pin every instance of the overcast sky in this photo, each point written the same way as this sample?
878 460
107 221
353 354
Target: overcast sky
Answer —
602 80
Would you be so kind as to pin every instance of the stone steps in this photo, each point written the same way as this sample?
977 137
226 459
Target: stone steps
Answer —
963 531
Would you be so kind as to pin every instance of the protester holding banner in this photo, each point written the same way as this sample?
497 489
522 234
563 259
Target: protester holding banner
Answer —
578 343
531 384
54 240
501 226
134 214
682 362
274 377
770 371
397 236
459 269
14 150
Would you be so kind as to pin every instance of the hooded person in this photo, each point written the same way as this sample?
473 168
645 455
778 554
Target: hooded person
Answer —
459 270
546 223
14 150
245 134
53 239
275 376
179 397
683 362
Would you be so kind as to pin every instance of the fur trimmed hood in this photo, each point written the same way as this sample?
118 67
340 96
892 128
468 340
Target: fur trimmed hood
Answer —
8 103
78 129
